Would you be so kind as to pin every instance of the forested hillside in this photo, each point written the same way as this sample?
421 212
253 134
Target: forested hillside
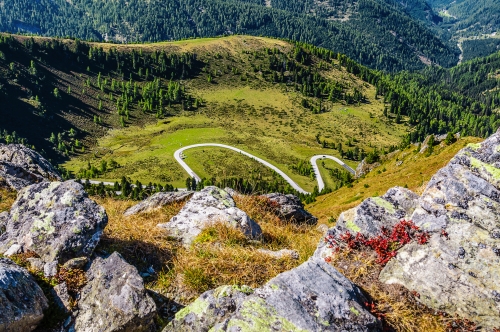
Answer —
469 17
473 24
375 33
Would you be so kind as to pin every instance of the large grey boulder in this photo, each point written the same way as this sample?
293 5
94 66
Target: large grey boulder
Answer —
376 212
210 309
56 220
158 200
207 206
21 167
311 297
114 298
458 270
22 301
290 208
371 215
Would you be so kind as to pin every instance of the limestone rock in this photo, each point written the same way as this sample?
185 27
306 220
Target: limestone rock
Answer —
458 270
21 167
280 253
61 297
158 200
231 191
372 214
209 205
290 208
36 263
114 298
76 263
364 168
312 297
210 309
55 220
21 300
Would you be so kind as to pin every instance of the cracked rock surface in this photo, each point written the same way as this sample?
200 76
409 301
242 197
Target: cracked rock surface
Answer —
56 220
114 298
458 271
21 167
206 206
22 301
290 208
158 200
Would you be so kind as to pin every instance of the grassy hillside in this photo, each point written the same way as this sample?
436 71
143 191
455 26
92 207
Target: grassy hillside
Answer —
113 110
406 168
246 111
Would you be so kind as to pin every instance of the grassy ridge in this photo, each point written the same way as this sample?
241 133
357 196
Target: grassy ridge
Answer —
414 172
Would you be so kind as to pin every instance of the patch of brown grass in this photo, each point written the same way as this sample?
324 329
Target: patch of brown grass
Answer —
220 255
7 198
279 234
136 237
393 303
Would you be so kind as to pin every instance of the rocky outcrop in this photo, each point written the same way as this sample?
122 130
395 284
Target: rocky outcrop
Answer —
114 298
364 168
311 297
209 310
458 270
22 301
158 200
209 205
3 221
371 215
55 220
290 208
21 167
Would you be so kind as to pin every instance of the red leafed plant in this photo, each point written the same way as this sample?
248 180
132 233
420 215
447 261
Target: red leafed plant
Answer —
372 307
385 245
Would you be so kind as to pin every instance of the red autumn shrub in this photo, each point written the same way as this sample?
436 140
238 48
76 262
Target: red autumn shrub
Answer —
385 245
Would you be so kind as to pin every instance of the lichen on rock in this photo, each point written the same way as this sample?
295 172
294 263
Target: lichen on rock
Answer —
311 297
114 299
22 301
207 206
41 220
21 167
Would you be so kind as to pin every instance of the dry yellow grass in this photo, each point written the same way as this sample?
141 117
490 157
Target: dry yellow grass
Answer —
136 237
220 255
401 312
7 198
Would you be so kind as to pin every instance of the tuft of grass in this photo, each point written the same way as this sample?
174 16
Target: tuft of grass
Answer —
219 255
397 307
7 198
136 237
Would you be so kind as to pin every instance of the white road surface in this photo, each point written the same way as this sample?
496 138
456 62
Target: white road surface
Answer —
178 155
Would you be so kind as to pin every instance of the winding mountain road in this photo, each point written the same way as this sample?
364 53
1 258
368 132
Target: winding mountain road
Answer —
178 155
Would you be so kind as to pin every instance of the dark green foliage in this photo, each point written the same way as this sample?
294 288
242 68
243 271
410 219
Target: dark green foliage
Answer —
480 47
377 34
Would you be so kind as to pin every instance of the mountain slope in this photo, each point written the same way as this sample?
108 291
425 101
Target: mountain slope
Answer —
373 33
473 24
281 101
